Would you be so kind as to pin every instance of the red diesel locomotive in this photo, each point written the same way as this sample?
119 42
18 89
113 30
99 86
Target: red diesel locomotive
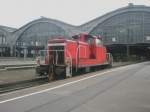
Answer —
64 57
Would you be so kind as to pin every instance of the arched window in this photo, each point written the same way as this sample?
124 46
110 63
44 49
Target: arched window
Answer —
2 39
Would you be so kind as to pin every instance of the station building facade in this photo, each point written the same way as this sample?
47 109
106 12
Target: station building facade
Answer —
33 37
128 25
5 35
28 40
127 28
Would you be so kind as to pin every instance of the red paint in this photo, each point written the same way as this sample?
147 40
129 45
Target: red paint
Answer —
83 49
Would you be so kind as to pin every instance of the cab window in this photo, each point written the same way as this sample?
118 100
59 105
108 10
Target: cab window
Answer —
89 39
98 42
76 37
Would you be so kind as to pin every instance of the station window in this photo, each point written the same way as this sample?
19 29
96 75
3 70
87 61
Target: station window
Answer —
32 43
113 39
2 39
147 37
90 40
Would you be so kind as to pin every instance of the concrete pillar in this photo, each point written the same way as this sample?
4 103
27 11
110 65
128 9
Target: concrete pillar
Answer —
25 53
11 51
19 53
128 52
2 51
29 52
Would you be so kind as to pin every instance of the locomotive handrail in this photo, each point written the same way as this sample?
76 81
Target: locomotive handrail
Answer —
71 60
78 53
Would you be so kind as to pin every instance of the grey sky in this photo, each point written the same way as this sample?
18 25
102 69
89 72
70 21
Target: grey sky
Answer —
15 13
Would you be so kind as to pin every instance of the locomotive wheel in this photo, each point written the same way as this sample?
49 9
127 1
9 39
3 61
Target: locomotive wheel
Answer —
60 73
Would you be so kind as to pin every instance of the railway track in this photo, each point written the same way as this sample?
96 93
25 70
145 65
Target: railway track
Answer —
22 85
5 88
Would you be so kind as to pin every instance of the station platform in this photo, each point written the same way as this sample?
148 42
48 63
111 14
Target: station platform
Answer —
14 62
16 69
14 76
